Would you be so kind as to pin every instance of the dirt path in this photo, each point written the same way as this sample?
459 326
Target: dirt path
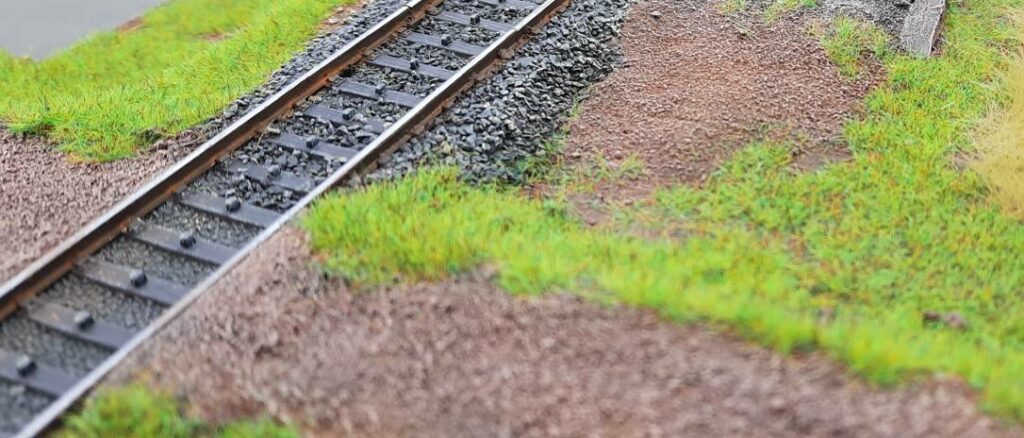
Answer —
45 198
462 358
699 84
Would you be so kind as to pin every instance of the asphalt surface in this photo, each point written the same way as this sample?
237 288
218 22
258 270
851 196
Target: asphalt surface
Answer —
40 28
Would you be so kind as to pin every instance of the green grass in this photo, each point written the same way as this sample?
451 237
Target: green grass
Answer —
850 40
117 92
136 411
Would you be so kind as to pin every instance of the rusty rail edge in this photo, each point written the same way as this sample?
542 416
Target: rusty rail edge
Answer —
411 123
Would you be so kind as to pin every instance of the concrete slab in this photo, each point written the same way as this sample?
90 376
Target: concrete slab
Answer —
922 26
39 28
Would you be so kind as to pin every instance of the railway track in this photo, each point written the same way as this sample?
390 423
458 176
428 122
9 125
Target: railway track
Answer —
72 316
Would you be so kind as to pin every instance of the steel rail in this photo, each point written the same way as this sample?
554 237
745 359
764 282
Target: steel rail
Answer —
61 259
409 125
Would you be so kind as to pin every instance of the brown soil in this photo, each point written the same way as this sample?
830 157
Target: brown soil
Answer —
698 85
45 198
340 15
462 358
215 37
131 25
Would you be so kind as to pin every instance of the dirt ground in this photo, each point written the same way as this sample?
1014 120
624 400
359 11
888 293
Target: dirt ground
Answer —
462 358
45 197
699 84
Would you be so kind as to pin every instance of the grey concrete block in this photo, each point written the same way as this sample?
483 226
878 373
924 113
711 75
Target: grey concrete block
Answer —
922 26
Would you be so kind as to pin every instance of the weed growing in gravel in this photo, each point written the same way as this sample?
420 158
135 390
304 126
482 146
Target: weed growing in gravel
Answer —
782 7
136 411
850 40
118 91
895 262
585 177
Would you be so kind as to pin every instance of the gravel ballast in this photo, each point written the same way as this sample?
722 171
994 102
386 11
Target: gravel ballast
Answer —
462 358
518 108
17 405
45 196
499 123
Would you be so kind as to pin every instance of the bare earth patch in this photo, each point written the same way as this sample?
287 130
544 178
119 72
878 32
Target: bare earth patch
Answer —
338 18
462 358
131 25
698 85
45 198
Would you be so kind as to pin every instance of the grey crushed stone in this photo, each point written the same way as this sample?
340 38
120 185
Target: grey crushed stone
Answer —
18 405
227 184
78 293
493 127
434 56
175 216
486 12
388 112
20 334
127 252
469 34
415 84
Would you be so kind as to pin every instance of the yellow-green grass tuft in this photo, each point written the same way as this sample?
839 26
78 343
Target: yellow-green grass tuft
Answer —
1000 157
138 411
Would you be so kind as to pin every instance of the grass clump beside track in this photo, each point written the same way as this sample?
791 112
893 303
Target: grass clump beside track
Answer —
1000 160
119 91
895 263
136 411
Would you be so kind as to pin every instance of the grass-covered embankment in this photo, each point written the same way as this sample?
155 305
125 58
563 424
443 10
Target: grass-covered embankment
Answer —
120 90
853 259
